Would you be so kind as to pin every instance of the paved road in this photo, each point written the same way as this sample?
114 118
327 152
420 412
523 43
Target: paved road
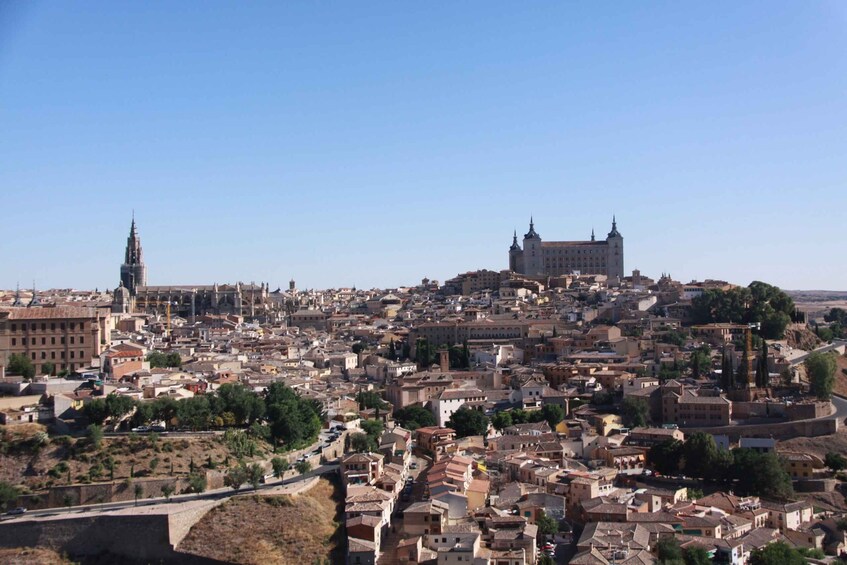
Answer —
208 495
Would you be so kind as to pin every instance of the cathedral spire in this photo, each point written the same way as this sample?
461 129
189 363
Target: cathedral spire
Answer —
515 245
133 270
592 234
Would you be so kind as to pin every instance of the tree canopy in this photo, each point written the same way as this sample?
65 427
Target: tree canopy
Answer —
820 368
777 553
758 303
158 359
468 422
19 364
414 417
634 412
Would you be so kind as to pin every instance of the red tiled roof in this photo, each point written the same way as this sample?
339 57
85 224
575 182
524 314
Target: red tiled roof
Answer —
59 312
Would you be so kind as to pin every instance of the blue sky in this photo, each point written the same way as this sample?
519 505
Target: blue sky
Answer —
373 144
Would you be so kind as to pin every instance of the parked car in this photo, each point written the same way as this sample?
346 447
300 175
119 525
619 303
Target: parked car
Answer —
16 511
141 429
414 465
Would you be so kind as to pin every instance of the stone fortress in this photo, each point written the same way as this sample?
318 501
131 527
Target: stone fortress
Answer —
557 258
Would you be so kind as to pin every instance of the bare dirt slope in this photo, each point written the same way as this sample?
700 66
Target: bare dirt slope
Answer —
31 556
818 446
281 530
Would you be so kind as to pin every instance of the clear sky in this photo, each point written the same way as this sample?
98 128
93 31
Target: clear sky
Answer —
373 144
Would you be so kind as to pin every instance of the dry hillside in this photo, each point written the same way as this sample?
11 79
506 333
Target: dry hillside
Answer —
64 460
31 556
281 530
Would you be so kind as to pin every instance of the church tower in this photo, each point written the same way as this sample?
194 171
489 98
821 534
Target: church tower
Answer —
533 258
614 261
133 270
515 255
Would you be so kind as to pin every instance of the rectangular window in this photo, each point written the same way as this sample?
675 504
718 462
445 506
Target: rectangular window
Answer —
72 340
72 354
43 341
81 339
62 326
73 326
44 327
63 340
53 327
14 341
52 341
52 355
14 327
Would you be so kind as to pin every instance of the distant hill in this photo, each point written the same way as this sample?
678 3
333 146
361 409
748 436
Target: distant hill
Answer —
817 295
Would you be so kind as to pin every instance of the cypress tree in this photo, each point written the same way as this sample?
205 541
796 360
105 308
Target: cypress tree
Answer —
762 369
743 376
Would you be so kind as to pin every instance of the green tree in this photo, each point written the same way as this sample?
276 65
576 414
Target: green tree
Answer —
665 456
635 412
157 359
8 494
19 364
95 435
243 403
195 412
358 347
95 411
167 491
197 482
48 368
762 372
820 368
501 420
468 422
138 491
373 428
236 477
303 467
835 461
669 551
742 376
701 361
118 405
696 555
369 399
760 474
553 414
362 443
698 453
280 466
154 463
255 474
547 525
414 417
777 553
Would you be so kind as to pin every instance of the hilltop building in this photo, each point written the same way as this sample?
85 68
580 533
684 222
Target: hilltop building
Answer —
556 258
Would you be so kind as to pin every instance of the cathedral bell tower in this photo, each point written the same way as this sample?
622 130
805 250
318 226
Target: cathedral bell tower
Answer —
133 270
